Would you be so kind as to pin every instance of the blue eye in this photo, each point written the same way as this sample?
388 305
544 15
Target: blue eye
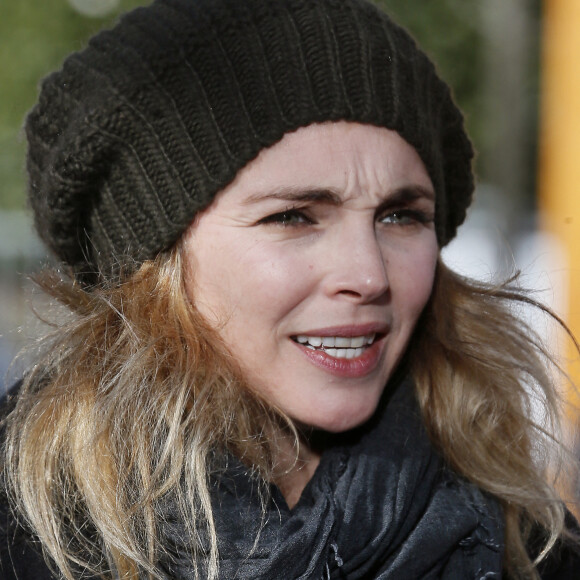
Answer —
290 217
406 217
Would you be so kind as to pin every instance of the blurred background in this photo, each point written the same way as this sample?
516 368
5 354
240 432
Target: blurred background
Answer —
514 69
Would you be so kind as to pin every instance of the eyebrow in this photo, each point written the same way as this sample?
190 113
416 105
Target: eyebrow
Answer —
408 194
321 195
331 196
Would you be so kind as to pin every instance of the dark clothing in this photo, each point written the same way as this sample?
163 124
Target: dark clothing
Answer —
563 563
381 505
19 559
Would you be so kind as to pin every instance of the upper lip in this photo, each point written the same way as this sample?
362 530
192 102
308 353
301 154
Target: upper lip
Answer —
347 330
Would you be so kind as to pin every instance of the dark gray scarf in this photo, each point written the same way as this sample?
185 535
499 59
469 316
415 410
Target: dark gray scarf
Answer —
381 505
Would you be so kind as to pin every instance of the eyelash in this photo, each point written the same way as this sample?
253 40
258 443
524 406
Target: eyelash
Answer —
413 215
285 218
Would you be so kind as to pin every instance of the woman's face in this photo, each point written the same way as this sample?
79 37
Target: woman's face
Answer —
314 266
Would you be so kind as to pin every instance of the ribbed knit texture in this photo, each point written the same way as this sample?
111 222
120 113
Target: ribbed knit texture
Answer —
141 129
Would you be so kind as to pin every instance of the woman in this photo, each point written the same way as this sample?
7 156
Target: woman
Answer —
269 373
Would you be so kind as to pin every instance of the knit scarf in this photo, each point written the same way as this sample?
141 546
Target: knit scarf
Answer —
381 505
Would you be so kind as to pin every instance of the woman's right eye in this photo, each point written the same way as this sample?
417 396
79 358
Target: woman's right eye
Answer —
290 217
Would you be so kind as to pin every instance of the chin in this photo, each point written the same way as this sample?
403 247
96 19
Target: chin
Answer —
342 418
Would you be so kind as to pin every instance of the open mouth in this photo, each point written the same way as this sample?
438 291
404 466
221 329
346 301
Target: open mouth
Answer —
347 347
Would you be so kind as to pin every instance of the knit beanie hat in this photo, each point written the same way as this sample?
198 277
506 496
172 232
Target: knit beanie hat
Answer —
140 130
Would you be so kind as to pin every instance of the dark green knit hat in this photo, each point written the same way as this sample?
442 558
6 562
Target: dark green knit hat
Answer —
141 129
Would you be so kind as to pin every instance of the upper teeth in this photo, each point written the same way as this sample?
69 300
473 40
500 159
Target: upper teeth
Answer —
336 341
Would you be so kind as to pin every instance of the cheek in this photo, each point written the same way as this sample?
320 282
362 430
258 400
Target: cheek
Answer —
241 284
208 280
264 277
412 281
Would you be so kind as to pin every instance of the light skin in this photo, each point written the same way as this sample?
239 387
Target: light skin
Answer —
328 235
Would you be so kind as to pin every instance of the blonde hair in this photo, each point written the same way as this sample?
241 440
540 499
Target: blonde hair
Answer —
479 369
137 399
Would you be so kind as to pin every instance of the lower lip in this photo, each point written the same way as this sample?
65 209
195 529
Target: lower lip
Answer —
343 367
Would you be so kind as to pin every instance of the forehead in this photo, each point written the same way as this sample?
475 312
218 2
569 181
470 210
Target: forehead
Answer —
341 156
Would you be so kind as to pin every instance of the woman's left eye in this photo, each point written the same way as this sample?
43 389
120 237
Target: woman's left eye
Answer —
406 217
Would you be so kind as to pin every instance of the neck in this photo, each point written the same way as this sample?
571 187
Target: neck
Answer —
294 470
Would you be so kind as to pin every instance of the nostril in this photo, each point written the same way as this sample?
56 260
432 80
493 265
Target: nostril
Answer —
350 293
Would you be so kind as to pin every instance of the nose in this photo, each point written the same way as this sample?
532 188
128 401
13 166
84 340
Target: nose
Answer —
357 270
